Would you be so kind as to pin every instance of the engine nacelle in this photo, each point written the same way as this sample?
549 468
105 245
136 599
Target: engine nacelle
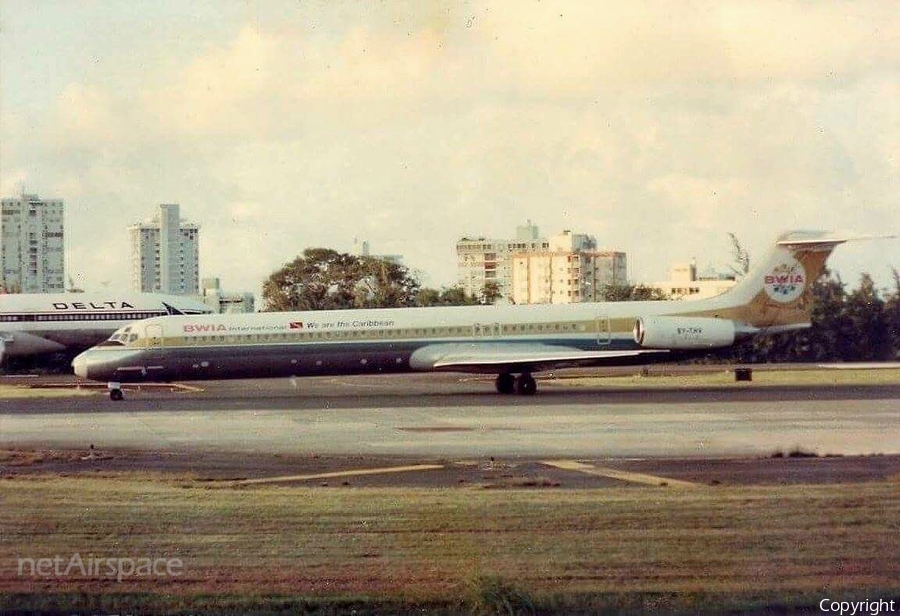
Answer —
683 333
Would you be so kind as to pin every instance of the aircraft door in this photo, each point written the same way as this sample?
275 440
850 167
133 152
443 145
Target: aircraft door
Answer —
154 336
604 333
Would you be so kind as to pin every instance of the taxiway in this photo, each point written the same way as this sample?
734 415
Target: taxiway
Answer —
454 416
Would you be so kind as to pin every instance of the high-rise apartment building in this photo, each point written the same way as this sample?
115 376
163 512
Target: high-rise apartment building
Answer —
570 271
165 254
566 268
481 260
32 245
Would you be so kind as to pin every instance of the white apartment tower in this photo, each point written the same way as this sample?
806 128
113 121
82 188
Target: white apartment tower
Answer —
481 260
566 268
166 254
32 245
570 271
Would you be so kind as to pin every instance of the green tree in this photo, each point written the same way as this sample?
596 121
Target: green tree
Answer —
490 293
741 258
868 336
830 330
892 317
632 293
384 284
324 279
448 296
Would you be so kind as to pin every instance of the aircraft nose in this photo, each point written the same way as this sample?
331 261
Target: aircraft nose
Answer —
80 365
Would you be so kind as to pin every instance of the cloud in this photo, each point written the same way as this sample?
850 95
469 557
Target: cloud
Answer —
86 115
580 48
222 91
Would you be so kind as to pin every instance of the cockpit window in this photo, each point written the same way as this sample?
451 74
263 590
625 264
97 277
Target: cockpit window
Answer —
111 342
120 336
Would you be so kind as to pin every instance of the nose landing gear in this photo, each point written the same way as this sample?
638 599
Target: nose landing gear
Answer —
115 391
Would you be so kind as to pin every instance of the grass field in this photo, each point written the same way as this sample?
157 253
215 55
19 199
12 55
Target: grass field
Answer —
469 549
725 379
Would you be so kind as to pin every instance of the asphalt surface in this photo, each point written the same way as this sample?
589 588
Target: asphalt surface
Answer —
457 416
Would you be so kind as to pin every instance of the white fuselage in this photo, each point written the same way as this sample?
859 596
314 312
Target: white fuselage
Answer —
371 341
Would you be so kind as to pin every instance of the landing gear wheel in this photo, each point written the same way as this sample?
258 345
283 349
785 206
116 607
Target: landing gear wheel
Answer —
526 385
505 383
115 395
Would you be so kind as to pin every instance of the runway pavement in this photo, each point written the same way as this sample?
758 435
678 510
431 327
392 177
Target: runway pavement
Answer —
457 416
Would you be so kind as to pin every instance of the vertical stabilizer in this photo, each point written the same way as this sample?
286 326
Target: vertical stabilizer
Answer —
777 293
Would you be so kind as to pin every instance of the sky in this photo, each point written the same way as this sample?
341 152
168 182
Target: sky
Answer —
658 127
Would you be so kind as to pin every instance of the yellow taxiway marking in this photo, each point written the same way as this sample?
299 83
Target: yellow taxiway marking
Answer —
612 473
350 473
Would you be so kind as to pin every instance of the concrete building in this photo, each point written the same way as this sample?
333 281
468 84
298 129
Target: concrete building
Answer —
685 283
32 245
481 260
530 269
165 254
571 271
223 302
365 250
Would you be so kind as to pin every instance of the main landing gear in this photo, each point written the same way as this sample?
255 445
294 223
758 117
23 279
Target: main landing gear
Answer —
524 384
115 392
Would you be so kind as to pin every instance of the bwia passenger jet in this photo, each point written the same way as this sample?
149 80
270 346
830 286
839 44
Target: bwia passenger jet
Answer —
39 323
512 342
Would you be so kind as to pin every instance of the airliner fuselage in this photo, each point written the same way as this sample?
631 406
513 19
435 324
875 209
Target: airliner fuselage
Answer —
510 341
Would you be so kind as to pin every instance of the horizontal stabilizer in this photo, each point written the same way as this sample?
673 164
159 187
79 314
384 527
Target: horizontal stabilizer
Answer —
828 238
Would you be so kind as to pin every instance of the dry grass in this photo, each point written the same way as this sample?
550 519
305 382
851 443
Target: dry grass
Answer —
25 391
423 545
725 379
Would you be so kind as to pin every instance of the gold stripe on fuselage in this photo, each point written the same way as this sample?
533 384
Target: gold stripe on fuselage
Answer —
577 329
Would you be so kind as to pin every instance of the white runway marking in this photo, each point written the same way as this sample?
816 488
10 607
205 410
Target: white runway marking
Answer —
337 474
612 473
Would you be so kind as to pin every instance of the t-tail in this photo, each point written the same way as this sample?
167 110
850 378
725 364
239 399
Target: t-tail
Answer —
777 294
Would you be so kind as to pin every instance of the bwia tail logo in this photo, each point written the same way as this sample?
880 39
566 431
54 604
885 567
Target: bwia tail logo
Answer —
785 282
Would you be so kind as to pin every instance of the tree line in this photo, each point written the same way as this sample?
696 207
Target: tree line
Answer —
324 279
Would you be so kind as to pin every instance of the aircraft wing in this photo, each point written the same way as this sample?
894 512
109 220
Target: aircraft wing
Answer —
493 357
